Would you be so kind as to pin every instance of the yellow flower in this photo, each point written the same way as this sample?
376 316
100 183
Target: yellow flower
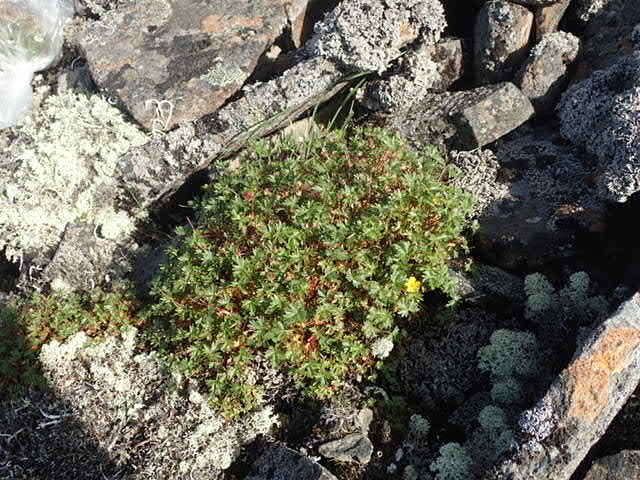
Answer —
413 285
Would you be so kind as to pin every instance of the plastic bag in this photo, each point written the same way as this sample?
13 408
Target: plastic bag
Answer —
30 40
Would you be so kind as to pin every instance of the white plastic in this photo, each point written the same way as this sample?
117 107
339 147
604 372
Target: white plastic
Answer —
30 40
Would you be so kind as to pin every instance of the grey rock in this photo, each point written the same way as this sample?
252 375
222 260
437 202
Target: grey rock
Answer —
501 38
68 270
365 417
354 447
584 11
544 75
464 120
621 466
547 19
279 463
608 37
427 68
602 115
365 35
190 55
548 201
555 435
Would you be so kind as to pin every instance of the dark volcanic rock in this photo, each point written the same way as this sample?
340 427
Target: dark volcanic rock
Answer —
188 55
501 37
464 120
549 201
544 75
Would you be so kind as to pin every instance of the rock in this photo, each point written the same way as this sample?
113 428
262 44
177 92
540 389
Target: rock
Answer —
547 19
279 463
621 466
361 35
428 68
548 201
535 3
126 398
544 75
187 56
584 11
97 264
464 120
501 37
608 37
354 447
557 433
303 19
602 115
365 417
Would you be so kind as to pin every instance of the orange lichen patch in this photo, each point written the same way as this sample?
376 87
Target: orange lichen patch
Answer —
592 373
222 23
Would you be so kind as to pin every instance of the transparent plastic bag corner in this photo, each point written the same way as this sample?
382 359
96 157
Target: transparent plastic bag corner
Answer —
31 36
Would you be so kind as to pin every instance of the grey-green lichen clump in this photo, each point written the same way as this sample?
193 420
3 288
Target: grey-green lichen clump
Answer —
61 170
109 384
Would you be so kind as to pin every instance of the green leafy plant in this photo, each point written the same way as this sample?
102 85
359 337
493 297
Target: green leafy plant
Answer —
304 256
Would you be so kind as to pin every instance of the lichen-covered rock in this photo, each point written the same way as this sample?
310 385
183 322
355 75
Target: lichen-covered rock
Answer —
547 18
584 11
602 115
60 171
127 399
548 201
543 76
427 68
463 120
365 35
555 435
501 37
478 174
171 61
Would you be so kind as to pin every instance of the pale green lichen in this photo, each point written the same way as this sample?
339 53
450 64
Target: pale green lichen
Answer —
221 76
62 171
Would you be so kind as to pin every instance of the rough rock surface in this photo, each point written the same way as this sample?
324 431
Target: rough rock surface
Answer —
547 19
464 120
544 75
171 61
621 466
279 463
501 37
548 200
353 447
127 399
608 36
361 35
556 434
427 68
602 115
